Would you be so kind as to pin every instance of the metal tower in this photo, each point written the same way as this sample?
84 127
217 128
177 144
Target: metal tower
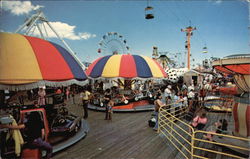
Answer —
189 33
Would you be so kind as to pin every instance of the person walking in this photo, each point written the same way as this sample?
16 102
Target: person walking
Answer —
85 97
107 98
158 103
110 105
67 93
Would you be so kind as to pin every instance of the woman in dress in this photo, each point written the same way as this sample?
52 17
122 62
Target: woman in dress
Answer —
41 96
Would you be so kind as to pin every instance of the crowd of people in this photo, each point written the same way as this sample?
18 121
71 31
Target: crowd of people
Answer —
175 98
188 100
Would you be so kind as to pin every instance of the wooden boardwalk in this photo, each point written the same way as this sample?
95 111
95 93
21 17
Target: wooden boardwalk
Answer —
127 136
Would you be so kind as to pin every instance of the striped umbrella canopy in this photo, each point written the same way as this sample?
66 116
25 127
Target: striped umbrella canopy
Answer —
28 62
125 66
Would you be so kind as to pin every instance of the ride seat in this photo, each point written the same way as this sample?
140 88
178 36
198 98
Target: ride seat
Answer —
28 153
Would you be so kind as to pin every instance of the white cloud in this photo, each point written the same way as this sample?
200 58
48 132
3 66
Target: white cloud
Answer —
19 7
218 1
64 30
86 35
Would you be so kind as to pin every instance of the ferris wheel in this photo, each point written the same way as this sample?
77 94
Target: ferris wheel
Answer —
113 43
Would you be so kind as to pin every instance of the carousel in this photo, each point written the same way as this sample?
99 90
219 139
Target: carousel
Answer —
237 66
131 78
30 63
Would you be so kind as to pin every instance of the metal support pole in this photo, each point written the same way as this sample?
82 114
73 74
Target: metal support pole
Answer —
34 28
40 31
188 47
36 16
188 31
69 49
40 16
45 29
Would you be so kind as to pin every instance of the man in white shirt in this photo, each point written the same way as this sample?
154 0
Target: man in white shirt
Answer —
167 93
190 97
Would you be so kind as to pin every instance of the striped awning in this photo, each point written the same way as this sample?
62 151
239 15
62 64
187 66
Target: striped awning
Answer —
29 60
125 66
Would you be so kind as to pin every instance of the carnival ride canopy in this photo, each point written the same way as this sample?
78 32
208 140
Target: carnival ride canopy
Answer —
28 62
125 66
237 65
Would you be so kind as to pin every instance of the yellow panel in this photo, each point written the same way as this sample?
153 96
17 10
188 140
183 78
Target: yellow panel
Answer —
112 67
156 71
18 62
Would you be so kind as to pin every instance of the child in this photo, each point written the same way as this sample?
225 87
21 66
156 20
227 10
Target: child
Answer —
218 127
110 111
36 104
199 121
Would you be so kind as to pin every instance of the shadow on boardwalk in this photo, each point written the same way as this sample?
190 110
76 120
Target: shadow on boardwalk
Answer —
127 136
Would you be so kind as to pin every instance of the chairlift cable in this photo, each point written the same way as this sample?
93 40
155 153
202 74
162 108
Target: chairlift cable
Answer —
201 38
178 23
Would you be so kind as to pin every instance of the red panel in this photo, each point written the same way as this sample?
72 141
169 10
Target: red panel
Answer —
31 153
132 105
242 68
235 114
52 64
127 67
140 103
45 121
90 68
162 71
129 106
229 90
248 120
221 69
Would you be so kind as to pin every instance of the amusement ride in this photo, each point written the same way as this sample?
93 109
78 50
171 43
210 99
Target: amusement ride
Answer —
135 82
32 63
113 43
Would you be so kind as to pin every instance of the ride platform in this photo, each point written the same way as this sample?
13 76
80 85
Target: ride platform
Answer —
136 106
82 133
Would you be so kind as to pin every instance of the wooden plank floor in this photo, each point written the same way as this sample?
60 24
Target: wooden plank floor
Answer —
127 136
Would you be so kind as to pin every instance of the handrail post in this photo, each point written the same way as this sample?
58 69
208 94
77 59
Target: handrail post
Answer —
192 144
159 113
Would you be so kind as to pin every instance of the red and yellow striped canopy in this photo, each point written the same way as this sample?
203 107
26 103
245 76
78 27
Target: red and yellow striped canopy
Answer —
26 60
126 66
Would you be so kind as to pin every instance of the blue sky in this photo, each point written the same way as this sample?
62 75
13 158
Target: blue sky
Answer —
221 25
